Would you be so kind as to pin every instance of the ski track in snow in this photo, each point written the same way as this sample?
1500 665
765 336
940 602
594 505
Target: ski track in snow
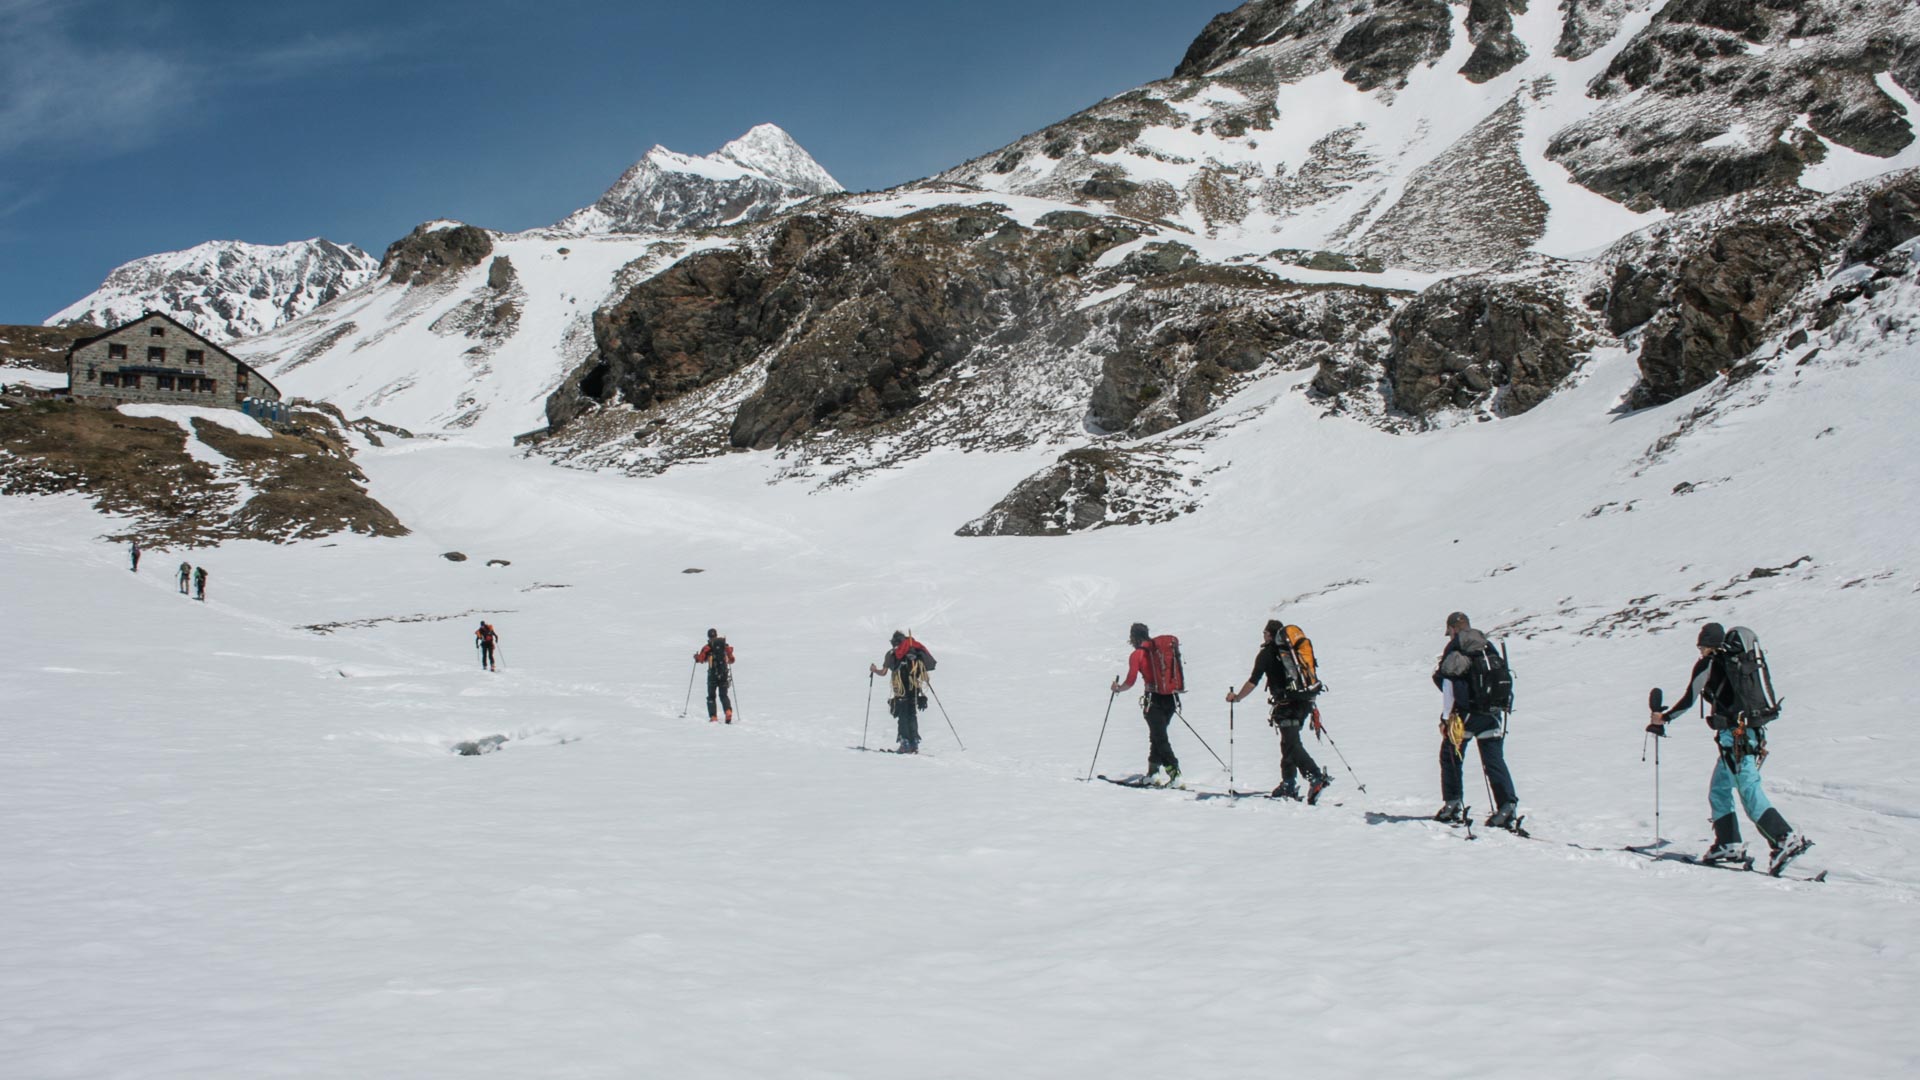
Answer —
237 846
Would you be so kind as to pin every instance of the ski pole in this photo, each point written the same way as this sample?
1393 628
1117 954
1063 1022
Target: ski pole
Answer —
1343 759
1655 699
1103 734
869 719
1230 784
1203 742
733 686
688 704
943 714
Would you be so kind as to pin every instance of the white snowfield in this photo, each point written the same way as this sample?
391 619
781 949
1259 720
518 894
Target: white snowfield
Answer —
235 847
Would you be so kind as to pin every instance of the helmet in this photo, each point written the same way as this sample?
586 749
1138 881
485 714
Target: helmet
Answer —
1712 636
712 633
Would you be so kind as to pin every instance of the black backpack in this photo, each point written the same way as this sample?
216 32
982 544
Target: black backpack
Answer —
1746 688
1489 681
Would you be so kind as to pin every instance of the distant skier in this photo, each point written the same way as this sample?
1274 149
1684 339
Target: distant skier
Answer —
133 553
907 662
1156 662
718 656
199 583
485 639
1463 717
1292 686
1732 683
186 576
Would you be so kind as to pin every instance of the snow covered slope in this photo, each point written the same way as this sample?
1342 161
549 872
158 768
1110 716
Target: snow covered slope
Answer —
241 843
476 350
1445 136
224 289
749 179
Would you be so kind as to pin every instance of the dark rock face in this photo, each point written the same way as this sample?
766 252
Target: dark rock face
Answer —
1720 304
853 315
1086 489
1701 293
1892 219
500 274
1399 35
1469 339
1496 48
1694 75
428 254
1589 25
1232 33
1176 345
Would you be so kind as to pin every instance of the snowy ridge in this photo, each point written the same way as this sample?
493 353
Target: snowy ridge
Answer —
748 179
1330 132
226 290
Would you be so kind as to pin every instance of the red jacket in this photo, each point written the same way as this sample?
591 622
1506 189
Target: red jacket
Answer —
1137 669
706 653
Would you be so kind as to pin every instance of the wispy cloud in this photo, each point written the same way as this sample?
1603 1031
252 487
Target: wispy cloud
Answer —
289 59
59 94
69 91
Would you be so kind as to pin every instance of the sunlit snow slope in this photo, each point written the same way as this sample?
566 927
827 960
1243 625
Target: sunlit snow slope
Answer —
238 845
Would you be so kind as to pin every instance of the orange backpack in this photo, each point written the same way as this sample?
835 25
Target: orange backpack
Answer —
1294 640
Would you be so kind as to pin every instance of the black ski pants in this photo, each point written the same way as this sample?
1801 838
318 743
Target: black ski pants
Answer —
1493 761
1293 755
906 717
717 687
1159 710
486 655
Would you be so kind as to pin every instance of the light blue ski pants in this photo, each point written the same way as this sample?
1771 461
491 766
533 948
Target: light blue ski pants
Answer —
1745 780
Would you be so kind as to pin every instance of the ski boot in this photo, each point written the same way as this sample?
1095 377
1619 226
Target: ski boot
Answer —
1503 818
1173 776
713 719
1718 854
1790 849
1288 790
729 716
1319 785
1727 845
1451 814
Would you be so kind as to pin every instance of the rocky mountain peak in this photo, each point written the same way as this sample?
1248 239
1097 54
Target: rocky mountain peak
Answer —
749 179
226 289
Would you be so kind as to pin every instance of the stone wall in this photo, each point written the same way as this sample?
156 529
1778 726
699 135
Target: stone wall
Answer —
156 360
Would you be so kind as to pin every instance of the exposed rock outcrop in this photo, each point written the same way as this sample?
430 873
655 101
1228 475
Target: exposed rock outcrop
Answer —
1701 293
433 251
1384 47
850 315
1173 348
1496 49
1707 101
1504 340
1088 489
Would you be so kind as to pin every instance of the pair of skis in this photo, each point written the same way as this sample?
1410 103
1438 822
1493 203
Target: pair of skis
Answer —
1744 865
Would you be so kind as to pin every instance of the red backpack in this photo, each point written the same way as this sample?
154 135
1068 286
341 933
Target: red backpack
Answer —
1164 675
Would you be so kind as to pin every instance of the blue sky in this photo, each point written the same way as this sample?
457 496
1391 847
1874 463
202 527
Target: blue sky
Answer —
130 128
